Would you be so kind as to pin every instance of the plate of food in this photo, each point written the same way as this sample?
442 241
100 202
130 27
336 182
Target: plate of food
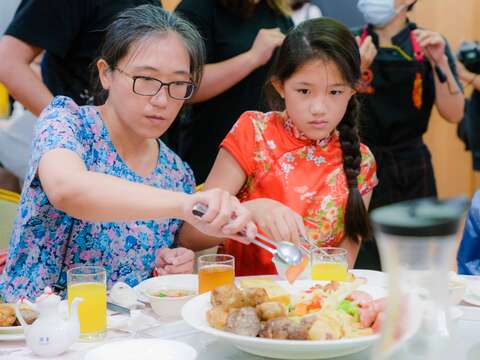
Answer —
10 328
307 320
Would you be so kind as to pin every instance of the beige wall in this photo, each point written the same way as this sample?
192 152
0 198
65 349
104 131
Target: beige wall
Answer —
455 19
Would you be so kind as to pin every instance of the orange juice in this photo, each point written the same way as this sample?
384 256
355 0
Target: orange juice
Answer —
329 271
4 101
212 276
92 311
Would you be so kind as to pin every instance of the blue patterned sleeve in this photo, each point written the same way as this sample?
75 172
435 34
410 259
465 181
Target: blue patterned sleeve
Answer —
58 127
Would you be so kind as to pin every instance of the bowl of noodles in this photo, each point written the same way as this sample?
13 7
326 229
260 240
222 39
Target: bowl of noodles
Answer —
317 320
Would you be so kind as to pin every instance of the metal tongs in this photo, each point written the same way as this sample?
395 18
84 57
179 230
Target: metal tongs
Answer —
289 260
284 253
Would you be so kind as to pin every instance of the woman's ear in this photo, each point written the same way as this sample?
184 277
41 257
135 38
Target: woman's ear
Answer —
104 74
278 86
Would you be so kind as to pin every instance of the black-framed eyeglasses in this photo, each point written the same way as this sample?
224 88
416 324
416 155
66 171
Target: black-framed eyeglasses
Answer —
148 86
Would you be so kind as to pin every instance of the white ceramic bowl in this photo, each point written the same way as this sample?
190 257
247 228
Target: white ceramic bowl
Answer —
168 307
145 349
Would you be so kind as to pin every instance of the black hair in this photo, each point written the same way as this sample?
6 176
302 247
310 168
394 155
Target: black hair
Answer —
328 40
245 8
135 24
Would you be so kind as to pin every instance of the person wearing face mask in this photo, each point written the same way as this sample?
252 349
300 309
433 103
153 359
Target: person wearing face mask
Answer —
406 70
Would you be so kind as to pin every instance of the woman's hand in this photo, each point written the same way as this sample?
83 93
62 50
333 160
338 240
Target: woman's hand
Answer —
368 51
224 218
278 221
432 44
265 43
174 261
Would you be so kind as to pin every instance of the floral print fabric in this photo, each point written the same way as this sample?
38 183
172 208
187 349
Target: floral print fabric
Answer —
46 241
306 175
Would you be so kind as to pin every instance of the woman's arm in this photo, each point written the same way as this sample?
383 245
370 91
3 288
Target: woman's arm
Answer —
92 196
449 98
226 174
18 76
221 76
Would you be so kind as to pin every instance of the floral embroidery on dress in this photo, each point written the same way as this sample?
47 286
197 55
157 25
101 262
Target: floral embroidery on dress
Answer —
306 175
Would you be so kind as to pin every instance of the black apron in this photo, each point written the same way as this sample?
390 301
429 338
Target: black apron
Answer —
392 127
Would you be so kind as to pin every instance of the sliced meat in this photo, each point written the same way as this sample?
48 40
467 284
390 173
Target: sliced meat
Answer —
284 328
360 297
243 322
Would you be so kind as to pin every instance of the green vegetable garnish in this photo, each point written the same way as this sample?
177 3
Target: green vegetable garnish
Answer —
350 308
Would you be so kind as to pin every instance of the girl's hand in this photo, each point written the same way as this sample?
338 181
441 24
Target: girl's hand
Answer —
225 217
279 221
432 44
174 261
368 51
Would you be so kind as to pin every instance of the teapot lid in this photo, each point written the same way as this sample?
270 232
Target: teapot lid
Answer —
48 298
420 217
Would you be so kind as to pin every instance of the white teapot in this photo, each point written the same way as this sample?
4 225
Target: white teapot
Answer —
50 334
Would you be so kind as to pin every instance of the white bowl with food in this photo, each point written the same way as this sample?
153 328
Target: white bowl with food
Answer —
269 340
167 294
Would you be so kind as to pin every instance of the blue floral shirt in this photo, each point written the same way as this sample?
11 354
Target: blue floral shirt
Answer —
46 241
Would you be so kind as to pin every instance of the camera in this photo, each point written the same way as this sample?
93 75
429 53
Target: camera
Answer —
469 55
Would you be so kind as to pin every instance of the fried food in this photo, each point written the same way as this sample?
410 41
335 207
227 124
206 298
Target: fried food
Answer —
284 329
325 328
7 315
255 296
271 310
217 317
243 322
229 297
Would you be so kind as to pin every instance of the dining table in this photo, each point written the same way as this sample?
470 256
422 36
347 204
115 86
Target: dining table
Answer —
208 347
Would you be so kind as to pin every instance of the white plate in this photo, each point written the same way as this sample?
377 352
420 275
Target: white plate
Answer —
194 313
471 298
145 349
8 333
374 278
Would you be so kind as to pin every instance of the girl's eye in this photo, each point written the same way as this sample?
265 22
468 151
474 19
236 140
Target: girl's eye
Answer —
336 92
303 91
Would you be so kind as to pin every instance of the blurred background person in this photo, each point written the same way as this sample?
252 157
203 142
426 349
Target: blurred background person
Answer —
240 37
468 71
406 71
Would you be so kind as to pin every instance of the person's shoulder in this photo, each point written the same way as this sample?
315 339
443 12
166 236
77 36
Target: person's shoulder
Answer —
62 103
367 155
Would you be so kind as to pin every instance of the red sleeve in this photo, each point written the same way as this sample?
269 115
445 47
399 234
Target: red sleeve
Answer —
240 142
368 171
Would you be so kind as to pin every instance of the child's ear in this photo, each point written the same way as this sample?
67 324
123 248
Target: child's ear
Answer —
278 86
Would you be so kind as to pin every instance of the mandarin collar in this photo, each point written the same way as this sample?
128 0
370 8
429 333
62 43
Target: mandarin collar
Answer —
398 39
293 131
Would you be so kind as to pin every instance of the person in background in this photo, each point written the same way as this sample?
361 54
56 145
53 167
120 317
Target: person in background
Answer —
102 189
468 256
69 33
304 162
469 128
406 71
240 37
303 10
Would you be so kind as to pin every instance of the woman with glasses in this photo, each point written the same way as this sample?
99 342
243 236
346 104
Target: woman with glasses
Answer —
101 189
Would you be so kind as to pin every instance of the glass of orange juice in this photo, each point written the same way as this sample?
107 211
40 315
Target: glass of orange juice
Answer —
215 270
329 263
89 283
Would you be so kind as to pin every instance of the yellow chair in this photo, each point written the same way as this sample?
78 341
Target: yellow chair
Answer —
8 211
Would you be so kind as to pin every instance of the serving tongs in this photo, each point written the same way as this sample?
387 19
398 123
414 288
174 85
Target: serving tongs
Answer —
289 259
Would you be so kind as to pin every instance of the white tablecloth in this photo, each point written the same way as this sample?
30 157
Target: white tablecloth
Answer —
208 347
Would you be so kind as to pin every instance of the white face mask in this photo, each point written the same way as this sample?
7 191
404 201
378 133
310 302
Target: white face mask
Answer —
378 12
